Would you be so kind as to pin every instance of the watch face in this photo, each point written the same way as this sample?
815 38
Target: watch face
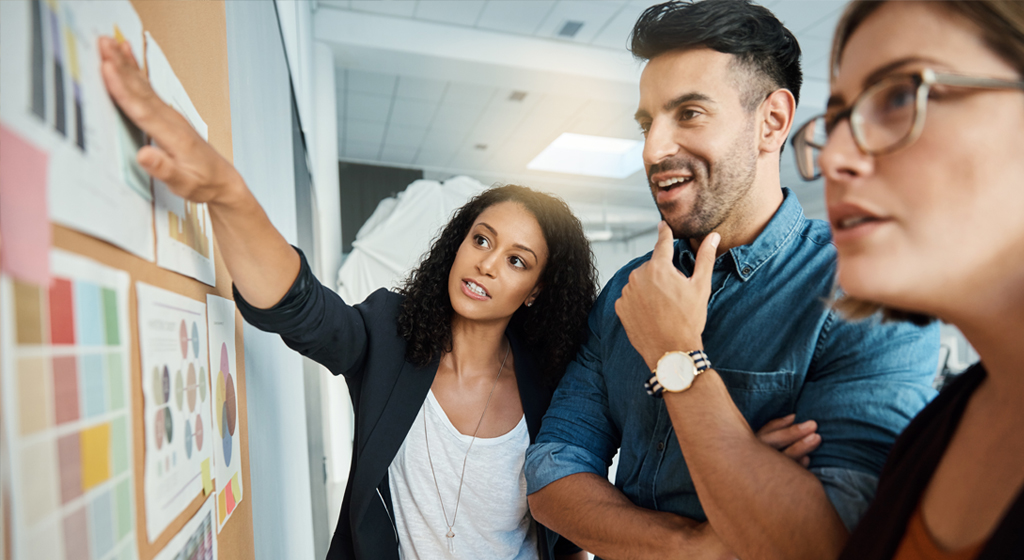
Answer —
676 372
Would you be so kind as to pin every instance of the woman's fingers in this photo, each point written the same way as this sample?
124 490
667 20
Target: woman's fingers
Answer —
777 424
782 433
802 448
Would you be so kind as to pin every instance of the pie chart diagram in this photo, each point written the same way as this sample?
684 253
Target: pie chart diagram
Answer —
226 403
183 338
226 439
179 389
190 387
188 440
199 432
202 384
158 429
165 385
168 424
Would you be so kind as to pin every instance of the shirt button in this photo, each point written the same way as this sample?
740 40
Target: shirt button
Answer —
661 446
746 270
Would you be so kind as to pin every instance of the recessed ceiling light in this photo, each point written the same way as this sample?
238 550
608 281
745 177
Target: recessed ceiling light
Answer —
480 146
595 156
517 96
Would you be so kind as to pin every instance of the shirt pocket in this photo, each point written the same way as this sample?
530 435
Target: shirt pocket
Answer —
761 395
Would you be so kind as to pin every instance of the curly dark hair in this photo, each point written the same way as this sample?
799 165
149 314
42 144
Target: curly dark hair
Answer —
554 325
758 40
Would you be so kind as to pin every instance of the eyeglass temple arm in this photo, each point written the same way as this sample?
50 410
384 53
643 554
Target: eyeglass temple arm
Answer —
970 81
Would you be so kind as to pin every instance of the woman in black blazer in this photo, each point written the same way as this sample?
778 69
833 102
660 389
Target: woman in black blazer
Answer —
449 377
440 336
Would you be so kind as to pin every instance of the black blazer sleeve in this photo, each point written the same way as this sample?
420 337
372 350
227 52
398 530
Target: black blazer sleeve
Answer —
314 321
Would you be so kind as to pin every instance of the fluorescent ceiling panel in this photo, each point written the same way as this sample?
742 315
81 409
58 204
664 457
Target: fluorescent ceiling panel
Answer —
595 156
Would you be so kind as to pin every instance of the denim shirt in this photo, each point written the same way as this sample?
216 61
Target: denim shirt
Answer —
778 347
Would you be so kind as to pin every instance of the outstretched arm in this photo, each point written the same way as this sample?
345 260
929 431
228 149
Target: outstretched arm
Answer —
261 262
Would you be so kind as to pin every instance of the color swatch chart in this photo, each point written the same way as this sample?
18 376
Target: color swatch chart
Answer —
197 540
176 386
67 412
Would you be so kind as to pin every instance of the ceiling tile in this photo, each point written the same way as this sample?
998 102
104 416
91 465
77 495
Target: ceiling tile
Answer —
514 16
364 107
398 154
804 16
454 12
615 34
455 117
402 8
371 82
360 132
593 15
444 138
435 157
420 88
412 112
404 136
361 151
462 94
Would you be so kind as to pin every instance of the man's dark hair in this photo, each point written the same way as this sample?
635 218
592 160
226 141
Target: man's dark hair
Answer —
761 44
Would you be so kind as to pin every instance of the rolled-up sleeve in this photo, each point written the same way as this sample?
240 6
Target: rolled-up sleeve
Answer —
578 434
869 379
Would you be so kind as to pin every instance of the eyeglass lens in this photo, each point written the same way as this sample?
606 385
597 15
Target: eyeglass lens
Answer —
882 118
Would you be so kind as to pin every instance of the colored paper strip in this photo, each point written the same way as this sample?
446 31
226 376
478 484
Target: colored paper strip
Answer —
95 444
24 218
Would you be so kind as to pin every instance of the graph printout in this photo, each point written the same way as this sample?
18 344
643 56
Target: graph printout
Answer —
220 313
53 96
176 389
67 412
197 540
184 238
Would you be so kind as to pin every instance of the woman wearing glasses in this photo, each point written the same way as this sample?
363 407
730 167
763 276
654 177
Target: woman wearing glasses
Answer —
922 151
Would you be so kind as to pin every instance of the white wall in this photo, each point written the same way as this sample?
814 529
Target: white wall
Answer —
262 143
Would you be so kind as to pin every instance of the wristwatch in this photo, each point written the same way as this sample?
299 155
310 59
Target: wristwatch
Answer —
676 371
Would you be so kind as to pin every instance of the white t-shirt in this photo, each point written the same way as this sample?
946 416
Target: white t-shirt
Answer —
493 519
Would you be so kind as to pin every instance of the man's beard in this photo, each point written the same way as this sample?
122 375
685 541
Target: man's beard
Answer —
718 187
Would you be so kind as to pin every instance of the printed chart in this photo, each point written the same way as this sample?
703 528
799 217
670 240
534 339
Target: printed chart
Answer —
196 540
220 314
54 97
184 239
67 412
172 341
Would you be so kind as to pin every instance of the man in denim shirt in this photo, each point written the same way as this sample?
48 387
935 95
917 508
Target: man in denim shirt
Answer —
747 283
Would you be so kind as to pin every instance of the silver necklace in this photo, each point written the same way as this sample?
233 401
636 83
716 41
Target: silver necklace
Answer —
451 532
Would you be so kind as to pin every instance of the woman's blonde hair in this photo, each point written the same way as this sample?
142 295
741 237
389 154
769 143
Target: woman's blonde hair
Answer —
1001 23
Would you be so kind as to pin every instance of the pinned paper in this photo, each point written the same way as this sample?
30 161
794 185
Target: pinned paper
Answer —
207 482
24 219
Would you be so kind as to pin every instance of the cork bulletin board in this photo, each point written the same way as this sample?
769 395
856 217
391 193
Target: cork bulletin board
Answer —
192 36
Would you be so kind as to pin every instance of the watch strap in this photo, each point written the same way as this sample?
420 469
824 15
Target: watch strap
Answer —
700 362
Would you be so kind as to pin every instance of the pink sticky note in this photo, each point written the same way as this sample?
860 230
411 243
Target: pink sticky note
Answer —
24 219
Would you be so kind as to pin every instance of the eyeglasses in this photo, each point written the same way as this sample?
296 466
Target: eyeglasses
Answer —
884 118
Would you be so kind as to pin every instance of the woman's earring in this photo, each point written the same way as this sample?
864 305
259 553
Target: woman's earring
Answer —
529 303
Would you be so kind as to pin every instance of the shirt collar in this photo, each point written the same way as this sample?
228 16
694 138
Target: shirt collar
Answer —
747 259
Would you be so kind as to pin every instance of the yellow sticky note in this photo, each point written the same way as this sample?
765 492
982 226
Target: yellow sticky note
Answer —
118 35
207 483
94 444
